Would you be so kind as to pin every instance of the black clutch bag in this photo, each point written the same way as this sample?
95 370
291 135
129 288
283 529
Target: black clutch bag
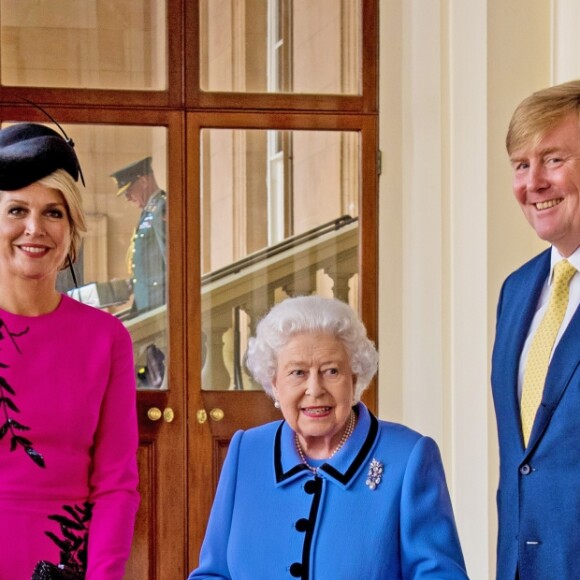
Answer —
47 571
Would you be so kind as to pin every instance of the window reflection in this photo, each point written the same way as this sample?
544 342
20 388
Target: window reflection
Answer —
281 46
279 218
146 255
101 44
122 264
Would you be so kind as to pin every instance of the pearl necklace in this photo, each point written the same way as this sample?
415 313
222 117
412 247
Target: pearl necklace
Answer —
347 433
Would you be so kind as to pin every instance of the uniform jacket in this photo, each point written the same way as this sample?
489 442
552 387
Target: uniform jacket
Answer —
272 519
148 263
539 488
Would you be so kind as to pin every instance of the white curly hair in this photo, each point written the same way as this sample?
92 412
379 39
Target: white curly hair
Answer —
312 314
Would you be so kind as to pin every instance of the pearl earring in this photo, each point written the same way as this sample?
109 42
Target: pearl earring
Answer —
277 404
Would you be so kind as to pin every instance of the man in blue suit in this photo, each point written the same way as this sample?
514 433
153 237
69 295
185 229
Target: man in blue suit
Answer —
539 488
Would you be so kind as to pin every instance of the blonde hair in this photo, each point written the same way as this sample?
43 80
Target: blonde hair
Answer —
541 112
63 182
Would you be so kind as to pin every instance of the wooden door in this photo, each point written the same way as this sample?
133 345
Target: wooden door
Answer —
179 460
160 539
159 549
159 543
226 302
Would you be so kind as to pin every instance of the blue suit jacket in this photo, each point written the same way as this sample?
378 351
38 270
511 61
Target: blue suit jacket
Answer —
539 488
272 519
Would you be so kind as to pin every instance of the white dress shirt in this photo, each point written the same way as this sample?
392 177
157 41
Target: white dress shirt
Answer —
573 302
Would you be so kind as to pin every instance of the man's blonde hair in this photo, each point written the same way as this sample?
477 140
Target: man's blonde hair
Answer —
541 112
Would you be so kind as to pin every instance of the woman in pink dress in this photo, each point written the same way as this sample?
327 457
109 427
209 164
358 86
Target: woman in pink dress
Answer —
68 428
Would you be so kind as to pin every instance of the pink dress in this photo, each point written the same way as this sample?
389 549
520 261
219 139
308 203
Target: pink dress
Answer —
68 442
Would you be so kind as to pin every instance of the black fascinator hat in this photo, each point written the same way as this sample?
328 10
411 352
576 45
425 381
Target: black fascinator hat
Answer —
29 152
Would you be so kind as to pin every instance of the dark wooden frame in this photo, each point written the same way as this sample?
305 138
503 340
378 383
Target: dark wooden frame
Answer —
366 102
184 109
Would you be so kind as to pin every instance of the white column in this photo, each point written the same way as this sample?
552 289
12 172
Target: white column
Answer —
468 231
422 323
566 43
433 297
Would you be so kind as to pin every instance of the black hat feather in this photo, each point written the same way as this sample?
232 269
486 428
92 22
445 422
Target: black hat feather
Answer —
29 152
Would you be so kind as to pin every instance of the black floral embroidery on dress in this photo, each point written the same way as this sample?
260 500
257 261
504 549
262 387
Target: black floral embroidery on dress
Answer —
9 425
72 545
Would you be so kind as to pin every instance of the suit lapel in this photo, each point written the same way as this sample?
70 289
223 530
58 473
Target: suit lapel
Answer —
562 366
517 308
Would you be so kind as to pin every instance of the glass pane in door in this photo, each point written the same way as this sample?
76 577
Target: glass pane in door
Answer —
281 46
279 218
122 263
99 44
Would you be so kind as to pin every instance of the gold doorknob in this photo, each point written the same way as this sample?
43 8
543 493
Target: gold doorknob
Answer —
154 414
168 415
216 414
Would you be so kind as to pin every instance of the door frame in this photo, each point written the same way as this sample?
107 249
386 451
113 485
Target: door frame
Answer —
203 444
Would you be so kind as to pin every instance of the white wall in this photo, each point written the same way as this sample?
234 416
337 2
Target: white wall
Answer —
452 72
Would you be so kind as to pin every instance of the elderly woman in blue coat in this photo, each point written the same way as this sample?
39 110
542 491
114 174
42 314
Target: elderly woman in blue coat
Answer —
329 492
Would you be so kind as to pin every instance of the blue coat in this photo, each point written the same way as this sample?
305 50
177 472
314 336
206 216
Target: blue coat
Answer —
539 488
272 519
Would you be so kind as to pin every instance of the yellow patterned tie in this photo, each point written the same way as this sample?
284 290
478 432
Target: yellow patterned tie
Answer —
542 343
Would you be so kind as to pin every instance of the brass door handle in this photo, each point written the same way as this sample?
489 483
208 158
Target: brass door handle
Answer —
215 414
155 413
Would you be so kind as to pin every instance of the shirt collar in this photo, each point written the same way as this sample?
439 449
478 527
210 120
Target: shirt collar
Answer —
340 469
153 200
574 259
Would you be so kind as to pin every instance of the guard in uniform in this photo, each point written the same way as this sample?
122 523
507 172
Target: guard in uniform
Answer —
147 257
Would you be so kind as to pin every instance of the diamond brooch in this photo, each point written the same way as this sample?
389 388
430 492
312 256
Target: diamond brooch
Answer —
374 475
